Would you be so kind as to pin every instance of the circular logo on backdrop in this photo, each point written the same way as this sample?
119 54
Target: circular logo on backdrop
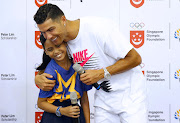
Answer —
137 3
40 2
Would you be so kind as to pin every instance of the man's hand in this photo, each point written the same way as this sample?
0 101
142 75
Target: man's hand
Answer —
92 76
43 83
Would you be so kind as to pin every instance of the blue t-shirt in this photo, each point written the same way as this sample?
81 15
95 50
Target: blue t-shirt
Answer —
66 82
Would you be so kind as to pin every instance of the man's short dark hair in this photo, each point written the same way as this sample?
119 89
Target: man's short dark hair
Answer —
47 11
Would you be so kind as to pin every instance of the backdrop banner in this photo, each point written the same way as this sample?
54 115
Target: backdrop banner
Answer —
151 26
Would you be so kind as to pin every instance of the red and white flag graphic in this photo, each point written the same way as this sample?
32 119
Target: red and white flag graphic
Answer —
137 3
137 38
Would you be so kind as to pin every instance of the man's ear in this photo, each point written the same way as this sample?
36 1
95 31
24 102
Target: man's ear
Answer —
63 20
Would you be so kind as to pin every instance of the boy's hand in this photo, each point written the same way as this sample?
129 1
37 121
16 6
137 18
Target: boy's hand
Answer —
70 111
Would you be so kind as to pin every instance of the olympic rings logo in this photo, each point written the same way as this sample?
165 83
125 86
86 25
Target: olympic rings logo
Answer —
137 25
142 65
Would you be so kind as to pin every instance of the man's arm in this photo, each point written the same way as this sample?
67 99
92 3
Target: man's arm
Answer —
131 60
43 83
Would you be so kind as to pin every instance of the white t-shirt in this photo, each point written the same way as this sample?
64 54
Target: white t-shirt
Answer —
99 44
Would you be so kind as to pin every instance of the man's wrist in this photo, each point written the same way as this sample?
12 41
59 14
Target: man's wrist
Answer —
40 72
101 74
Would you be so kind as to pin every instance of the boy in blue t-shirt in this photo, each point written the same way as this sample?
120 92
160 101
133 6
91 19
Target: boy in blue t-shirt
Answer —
56 103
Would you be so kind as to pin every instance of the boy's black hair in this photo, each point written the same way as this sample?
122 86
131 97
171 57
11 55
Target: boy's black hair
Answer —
47 11
45 59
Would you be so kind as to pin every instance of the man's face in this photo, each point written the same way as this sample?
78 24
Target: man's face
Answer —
54 31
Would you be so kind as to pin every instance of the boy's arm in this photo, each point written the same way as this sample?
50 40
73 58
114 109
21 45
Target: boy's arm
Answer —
70 111
85 105
44 105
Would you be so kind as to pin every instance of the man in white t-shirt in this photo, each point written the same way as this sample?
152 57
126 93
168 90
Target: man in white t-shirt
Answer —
105 54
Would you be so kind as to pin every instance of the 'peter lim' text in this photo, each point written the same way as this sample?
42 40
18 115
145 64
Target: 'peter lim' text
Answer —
10 76
8 36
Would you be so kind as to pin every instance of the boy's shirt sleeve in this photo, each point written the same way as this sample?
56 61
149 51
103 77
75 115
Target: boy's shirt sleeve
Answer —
83 86
86 87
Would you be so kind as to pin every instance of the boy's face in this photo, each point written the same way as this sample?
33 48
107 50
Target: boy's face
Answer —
56 52
54 31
